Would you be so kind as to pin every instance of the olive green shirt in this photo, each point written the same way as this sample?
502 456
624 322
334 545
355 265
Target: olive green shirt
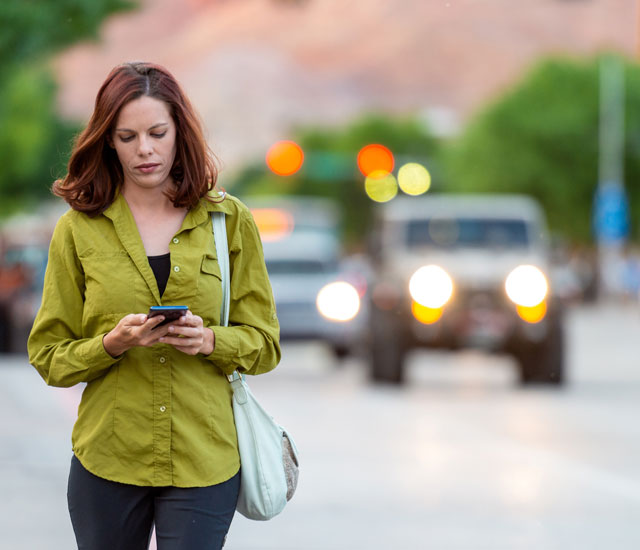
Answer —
153 416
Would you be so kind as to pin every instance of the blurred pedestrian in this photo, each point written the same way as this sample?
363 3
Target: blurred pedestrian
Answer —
155 441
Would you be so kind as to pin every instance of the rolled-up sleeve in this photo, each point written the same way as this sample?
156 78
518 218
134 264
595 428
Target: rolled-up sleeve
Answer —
56 347
250 344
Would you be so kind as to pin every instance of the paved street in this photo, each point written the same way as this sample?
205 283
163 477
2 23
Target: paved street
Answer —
461 458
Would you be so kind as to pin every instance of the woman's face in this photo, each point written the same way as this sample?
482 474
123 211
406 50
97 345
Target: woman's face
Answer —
144 138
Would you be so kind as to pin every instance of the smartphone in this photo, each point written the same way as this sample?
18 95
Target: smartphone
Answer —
171 313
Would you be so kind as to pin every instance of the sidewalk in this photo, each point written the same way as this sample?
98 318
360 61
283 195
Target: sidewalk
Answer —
35 431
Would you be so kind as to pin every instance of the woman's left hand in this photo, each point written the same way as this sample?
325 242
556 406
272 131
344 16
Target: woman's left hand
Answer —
189 336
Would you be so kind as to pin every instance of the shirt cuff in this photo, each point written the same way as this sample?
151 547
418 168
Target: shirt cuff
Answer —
94 354
225 350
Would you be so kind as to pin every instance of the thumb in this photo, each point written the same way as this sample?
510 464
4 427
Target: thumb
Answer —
136 319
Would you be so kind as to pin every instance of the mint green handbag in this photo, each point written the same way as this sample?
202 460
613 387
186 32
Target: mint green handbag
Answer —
268 454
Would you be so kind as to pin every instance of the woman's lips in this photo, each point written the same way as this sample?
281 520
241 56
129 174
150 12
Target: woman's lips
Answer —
147 168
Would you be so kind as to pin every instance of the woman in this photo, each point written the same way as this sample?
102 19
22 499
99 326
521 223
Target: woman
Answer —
155 441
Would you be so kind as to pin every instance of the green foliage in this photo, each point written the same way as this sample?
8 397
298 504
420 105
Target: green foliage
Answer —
31 29
330 166
31 135
541 138
34 141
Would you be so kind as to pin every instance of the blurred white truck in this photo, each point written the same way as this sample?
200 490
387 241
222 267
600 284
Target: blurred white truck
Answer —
464 271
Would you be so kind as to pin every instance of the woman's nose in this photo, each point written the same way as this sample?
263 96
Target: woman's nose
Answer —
144 146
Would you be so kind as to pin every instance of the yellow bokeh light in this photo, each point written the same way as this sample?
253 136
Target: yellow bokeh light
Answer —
426 315
414 179
533 314
381 186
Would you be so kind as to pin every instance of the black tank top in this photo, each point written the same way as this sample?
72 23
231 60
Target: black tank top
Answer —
161 266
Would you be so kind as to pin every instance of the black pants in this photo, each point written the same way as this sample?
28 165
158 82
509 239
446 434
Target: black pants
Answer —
107 515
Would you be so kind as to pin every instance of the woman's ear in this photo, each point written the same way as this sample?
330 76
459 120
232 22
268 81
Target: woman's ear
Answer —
109 138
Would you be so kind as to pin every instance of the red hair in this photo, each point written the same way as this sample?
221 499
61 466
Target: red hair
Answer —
94 172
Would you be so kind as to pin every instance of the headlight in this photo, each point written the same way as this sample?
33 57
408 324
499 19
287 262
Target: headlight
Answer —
431 286
338 301
526 285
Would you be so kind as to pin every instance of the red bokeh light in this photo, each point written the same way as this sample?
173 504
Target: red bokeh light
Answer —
375 158
285 158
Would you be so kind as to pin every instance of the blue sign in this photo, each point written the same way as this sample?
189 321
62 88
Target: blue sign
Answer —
610 213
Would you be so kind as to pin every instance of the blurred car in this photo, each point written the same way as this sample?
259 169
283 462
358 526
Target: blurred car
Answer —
24 244
317 293
464 271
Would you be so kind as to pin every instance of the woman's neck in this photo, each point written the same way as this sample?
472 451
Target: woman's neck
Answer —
146 201
155 216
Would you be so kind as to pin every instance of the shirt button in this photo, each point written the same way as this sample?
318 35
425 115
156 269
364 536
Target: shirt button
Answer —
163 408
176 269
176 240
162 359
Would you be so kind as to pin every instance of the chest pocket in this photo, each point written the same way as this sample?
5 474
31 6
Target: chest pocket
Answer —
209 295
110 283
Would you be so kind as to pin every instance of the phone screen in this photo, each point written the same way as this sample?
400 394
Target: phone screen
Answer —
170 313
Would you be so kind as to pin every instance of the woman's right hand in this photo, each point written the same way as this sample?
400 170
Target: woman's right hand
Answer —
134 330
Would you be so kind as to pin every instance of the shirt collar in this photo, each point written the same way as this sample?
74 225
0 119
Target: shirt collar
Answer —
120 214
197 215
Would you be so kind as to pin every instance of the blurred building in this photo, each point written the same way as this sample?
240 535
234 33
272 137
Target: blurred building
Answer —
255 68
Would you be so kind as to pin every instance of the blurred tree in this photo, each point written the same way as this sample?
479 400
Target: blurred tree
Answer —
330 166
34 141
541 138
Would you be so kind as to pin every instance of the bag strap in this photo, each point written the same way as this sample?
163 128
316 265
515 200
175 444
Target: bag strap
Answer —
222 251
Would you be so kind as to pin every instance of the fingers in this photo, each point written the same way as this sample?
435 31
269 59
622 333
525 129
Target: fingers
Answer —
189 320
141 319
143 330
185 334
134 319
188 326
153 322
190 346
184 330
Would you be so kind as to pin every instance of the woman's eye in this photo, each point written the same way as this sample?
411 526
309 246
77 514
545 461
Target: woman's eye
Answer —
159 135
125 139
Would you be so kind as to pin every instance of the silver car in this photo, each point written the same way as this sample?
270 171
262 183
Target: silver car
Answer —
317 297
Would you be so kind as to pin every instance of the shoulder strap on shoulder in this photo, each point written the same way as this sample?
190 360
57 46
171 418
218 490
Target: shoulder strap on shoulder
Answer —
222 250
